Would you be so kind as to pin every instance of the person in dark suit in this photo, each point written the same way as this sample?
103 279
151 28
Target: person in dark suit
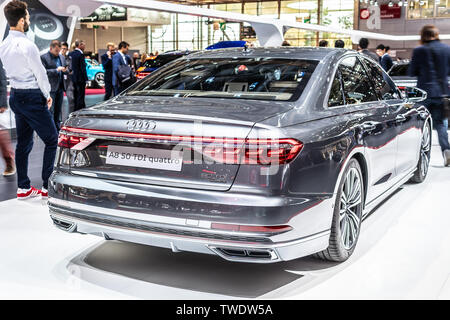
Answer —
431 65
385 59
339 44
108 66
79 74
55 64
136 61
5 138
68 84
323 43
363 48
121 58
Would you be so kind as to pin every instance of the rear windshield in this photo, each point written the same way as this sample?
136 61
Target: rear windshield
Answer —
399 70
243 78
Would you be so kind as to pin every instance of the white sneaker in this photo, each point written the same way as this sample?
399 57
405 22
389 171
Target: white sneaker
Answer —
447 158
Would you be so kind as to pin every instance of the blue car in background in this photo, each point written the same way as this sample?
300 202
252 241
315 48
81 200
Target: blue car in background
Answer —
95 73
227 44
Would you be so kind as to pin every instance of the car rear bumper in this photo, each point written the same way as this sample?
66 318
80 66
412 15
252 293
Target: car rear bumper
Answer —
238 251
309 234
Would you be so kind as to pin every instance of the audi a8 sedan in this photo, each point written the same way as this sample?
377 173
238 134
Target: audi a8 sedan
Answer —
254 155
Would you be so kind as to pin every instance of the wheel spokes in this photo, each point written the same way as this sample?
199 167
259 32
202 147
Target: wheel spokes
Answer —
350 208
356 195
426 140
425 151
354 218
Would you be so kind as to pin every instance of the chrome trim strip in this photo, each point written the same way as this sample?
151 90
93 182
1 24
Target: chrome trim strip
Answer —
127 177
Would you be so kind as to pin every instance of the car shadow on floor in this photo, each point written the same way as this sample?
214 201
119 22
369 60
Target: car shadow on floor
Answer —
192 271
209 274
195 272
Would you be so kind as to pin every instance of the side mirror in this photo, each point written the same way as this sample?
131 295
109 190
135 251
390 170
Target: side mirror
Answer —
415 94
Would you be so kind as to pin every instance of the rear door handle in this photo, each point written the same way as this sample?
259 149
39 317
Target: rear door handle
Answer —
400 118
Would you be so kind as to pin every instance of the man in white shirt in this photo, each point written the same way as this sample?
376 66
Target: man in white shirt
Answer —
30 98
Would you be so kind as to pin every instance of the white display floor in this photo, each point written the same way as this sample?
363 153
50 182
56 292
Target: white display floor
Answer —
403 252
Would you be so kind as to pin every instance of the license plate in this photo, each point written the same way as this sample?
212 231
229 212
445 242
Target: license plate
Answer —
145 158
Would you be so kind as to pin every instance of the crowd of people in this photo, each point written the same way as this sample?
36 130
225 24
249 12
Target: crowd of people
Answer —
382 54
67 73
38 83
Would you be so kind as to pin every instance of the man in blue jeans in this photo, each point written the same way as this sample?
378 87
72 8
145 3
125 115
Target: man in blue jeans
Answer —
431 65
30 98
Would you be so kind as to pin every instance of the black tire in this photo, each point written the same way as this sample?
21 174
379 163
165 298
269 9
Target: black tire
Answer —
337 251
424 159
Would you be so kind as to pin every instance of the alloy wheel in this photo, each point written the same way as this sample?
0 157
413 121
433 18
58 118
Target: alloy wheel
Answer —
350 209
425 151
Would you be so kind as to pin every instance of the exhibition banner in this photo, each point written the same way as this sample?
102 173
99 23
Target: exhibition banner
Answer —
45 26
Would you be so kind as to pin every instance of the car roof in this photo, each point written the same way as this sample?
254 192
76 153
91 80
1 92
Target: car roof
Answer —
308 53
175 53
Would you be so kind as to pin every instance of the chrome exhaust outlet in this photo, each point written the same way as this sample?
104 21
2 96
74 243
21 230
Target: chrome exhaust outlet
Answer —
64 224
246 255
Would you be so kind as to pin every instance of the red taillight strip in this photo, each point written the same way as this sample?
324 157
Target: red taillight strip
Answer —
153 136
223 150
243 228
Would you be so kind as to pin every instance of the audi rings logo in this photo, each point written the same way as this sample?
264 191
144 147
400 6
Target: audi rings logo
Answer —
141 125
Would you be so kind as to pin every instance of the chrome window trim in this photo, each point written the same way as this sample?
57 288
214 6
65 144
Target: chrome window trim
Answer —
327 97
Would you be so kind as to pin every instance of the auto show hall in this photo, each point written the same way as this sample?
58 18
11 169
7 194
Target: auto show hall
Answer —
403 252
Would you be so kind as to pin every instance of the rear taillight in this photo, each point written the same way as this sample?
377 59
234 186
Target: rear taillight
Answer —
68 141
243 228
219 150
253 151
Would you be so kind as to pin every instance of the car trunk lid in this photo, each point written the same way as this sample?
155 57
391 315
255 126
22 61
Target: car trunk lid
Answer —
160 142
